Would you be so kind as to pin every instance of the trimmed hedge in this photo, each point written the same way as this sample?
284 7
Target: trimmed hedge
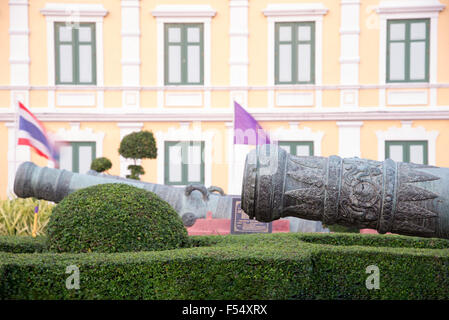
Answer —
114 217
275 266
23 244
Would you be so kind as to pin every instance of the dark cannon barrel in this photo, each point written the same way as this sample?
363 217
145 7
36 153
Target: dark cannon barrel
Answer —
388 196
50 184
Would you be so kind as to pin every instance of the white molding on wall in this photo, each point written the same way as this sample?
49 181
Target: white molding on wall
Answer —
19 56
409 6
73 9
349 138
184 133
294 133
225 114
295 99
16 153
183 14
296 12
349 51
238 50
410 9
74 13
187 99
407 133
294 9
125 129
130 33
409 97
75 133
179 11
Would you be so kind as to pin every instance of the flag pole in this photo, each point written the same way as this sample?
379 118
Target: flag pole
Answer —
16 137
233 151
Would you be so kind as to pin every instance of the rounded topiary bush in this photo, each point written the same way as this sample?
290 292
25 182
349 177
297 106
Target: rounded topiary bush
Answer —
114 218
101 164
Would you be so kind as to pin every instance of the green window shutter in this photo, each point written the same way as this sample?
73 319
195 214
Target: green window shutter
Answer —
294 53
184 163
408 50
80 156
298 148
184 54
407 151
75 54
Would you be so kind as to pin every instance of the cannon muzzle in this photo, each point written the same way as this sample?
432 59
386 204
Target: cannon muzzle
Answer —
389 196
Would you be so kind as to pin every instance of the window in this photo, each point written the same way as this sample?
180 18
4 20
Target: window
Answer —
184 162
77 156
407 151
408 50
75 53
297 148
295 53
184 54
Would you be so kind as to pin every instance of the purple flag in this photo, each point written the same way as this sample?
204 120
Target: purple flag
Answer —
246 129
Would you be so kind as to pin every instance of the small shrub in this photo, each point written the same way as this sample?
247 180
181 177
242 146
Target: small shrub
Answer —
101 164
138 145
114 218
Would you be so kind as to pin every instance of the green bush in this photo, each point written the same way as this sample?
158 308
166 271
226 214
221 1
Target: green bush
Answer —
274 266
114 218
101 164
23 244
138 145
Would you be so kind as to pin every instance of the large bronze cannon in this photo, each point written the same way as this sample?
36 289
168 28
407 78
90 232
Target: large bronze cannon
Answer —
388 196
191 202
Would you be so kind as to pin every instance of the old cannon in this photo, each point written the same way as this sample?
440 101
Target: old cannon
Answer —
191 202
389 196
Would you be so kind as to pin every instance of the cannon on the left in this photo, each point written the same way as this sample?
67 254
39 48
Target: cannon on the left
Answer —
191 202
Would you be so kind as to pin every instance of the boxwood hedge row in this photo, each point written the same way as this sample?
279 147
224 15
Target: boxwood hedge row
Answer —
276 266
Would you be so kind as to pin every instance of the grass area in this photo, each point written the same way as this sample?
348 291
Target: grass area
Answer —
273 266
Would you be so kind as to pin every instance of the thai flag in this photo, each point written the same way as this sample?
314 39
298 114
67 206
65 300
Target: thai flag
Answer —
32 133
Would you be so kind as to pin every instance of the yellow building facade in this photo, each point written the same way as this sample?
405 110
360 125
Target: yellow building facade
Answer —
365 78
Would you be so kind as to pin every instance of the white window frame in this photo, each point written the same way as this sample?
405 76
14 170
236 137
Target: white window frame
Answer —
184 14
76 134
75 13
295 134
417 9
184 133
300 12
407 133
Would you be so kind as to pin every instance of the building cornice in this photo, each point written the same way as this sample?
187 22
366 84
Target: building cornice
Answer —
295 9
170 11
227 116
68 10
410 6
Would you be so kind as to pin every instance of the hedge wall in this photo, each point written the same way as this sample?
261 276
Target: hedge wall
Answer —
275 266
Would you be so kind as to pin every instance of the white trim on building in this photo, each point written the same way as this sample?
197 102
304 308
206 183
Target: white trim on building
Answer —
349 51
130 32
74 13
409 9
183 14
184 133
349 138
407 133
294 133
295 12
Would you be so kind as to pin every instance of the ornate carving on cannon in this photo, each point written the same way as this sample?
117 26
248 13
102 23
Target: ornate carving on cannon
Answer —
403 198
191 202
